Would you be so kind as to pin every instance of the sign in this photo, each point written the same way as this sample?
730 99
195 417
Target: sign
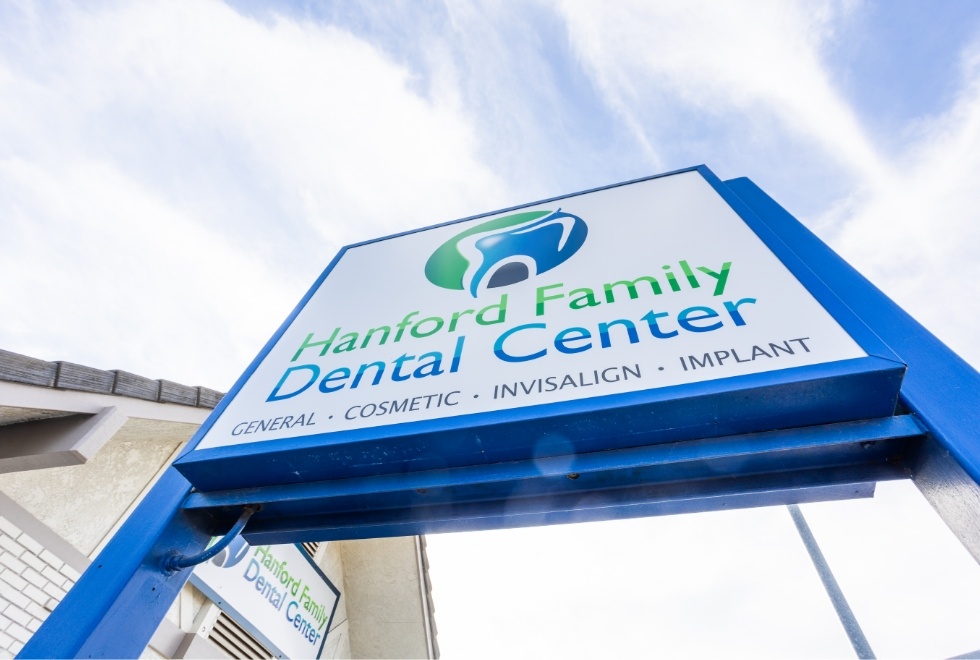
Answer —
753 439
275 592
646 288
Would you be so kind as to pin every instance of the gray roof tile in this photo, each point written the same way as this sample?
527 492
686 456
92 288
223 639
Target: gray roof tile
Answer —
16 368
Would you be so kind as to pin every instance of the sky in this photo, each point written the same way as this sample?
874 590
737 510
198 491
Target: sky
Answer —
174 176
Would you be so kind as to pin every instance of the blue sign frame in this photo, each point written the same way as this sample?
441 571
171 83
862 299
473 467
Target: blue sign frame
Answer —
115 607
841 391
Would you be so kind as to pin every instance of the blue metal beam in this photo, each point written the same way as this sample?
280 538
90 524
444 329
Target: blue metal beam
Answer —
802 448
940 388
630 502
485 496
800 396
950 490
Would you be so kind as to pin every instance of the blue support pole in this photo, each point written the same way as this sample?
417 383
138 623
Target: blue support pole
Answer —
940 388
117 604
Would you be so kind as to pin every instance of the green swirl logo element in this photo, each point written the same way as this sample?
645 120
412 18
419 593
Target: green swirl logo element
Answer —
506 250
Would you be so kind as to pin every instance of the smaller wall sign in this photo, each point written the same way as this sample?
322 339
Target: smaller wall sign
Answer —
275 592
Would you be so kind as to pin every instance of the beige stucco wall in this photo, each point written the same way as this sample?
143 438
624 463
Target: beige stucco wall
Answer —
383 596
330 561
83 503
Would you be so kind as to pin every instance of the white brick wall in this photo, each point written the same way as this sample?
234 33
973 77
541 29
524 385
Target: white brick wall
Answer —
33 581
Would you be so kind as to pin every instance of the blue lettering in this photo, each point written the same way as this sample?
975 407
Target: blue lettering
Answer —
314 370
733 309
687 316
498 346
457 354
570 335
604 340
340 374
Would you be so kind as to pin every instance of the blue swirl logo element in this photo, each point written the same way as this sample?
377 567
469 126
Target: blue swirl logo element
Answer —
506 250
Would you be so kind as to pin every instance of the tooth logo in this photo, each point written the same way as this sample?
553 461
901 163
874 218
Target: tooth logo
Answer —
506 251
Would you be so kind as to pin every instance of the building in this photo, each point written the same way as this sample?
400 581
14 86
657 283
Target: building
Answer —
80 447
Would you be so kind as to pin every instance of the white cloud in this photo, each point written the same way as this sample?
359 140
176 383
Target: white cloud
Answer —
917 234
751 62
115 276
222 160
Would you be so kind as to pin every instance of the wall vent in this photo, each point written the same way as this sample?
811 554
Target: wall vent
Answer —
235 640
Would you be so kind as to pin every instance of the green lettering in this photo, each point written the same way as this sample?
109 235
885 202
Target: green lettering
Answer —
385 331
631 287
587 299
722 277
542 298
348 343
311 344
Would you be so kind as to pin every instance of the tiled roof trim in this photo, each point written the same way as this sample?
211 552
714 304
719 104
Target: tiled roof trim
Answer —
16 368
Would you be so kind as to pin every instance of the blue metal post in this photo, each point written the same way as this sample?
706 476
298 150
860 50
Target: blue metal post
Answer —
117 604
940 388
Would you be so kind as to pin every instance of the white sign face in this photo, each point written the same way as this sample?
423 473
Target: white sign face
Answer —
638 287
275 592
